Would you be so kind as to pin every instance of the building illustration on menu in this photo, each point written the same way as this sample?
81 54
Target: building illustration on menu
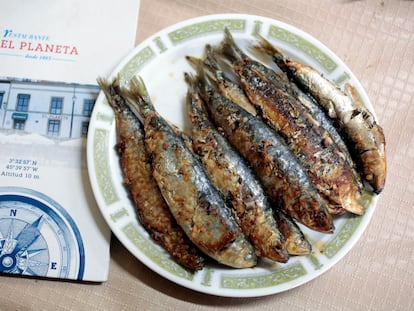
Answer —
53 109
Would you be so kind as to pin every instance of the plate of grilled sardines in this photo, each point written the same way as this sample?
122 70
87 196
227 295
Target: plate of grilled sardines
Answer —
235 155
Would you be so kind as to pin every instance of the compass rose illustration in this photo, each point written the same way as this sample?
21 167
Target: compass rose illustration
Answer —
37 236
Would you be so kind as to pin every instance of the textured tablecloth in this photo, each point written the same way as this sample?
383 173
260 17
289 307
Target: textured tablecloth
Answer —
376 40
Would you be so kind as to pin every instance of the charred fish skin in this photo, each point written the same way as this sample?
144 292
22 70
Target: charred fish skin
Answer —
320 117
281 81
274 164
231 175
355 121
153 212
194 202
311 144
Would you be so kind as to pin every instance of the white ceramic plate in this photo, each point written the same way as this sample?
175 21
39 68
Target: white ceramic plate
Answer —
160 61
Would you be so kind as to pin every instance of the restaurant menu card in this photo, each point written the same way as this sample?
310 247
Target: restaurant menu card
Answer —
51 53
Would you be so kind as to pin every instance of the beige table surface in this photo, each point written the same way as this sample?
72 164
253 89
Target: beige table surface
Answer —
375 39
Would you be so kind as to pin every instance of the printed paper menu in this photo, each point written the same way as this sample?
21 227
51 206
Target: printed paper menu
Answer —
51 53
66 41
49 224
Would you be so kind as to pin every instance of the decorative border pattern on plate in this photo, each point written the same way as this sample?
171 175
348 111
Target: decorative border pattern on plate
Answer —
280 276
342 78
100 142
140 58
197 29
208 275
342 237
159 257
348 229
120 213
160 44
305 46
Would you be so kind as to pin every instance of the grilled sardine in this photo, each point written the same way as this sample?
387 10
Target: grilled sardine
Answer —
309 141
232 176
194 202
153 212
356 122
282 176
312 145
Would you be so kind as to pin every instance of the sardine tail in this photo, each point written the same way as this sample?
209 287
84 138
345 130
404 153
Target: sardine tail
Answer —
103 83
137 97
204 79
111 92
266 47
138 87
106 87
195 83
194 61
229 48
